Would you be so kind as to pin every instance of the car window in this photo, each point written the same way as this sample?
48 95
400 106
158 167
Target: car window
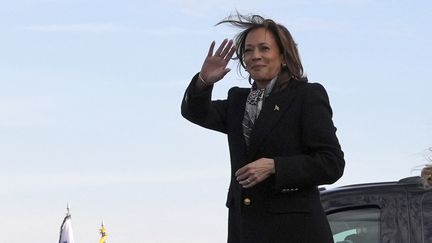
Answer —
360 225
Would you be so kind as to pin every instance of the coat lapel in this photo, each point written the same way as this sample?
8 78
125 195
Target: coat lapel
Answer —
274 107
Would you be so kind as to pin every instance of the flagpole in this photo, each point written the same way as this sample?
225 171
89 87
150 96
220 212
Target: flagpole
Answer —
68 209
103 233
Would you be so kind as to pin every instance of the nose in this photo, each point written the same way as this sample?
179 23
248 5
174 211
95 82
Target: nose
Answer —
256 55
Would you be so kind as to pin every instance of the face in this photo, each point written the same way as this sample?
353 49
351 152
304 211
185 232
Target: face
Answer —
262 56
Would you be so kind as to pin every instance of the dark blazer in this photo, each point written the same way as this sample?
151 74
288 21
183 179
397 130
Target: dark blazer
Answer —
294 128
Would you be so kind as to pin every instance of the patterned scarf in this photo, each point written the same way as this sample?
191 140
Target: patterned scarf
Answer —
254 103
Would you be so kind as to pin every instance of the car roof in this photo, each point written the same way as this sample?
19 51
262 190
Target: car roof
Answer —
414 182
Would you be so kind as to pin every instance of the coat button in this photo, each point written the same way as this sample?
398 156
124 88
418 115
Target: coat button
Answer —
247 201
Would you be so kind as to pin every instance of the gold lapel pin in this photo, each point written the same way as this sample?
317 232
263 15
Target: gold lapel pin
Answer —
276 108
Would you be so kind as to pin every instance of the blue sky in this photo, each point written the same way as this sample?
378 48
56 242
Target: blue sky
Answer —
90 97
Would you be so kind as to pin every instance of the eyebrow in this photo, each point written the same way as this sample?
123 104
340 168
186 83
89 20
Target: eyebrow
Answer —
259 44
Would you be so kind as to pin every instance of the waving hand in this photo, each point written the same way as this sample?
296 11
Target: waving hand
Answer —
214 67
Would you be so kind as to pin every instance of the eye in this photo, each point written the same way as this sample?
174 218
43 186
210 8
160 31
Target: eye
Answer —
265 48
247 50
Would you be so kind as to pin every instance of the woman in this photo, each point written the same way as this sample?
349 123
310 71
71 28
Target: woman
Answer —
280 132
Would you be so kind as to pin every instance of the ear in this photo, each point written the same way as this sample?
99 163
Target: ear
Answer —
283 61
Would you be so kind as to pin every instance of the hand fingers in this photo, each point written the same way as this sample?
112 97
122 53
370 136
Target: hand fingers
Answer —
246 177
210 52
242 170
226 71
247 183
230 53
226 49
221 47
243 176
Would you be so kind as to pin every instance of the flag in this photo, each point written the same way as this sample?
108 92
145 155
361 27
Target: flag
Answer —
103 234
66 233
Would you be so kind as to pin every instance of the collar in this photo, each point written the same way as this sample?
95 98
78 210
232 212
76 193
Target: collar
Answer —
267 90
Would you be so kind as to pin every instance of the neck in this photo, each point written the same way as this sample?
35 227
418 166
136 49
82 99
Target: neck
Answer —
262 84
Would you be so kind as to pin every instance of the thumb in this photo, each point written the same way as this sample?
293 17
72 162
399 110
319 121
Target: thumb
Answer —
222 74
227 70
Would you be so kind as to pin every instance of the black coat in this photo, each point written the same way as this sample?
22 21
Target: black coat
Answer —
294 128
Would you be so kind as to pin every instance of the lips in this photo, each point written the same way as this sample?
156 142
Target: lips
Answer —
258 66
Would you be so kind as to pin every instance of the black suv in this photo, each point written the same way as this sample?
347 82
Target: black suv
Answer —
387 212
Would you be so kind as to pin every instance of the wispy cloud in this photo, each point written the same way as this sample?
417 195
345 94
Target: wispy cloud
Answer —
91 28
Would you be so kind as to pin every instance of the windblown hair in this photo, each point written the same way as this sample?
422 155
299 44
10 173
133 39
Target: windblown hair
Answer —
284 40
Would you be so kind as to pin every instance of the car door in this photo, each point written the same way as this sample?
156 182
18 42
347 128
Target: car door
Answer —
368 215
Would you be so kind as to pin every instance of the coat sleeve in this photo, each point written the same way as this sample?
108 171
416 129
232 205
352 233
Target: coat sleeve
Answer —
322 160
198 108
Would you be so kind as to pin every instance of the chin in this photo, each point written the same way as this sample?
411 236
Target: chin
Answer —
261 78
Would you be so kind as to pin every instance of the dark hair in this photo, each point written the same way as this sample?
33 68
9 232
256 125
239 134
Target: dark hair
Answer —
284 40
